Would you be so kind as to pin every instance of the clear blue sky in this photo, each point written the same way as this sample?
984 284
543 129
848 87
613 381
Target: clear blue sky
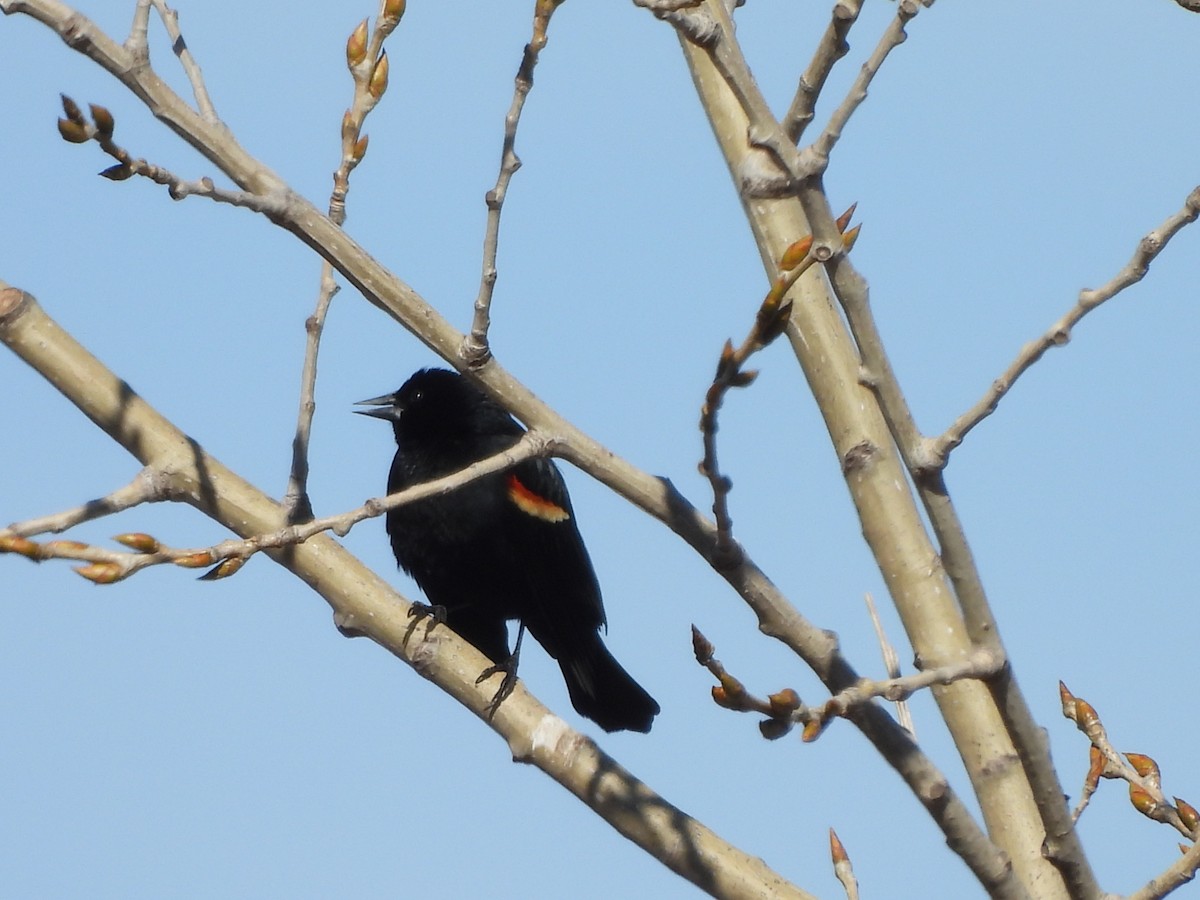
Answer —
170 738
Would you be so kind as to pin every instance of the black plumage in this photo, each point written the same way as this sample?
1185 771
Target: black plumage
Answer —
504 546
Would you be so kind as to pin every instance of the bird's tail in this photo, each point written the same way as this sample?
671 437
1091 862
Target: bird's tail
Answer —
603 691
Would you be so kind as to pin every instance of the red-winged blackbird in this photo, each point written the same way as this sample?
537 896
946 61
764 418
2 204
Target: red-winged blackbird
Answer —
504 546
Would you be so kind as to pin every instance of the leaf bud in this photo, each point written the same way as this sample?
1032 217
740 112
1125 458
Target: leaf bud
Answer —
73 132
136 540
103 119
702 647
225 568
101 572
356 45
379 77
794 254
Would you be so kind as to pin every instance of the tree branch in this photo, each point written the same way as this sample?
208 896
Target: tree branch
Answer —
364 604
1059 333
475 349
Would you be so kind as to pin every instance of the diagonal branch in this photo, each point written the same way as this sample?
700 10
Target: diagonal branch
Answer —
363 604
833 47
1059 333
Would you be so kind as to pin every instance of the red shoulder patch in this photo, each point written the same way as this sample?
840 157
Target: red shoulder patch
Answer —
534 504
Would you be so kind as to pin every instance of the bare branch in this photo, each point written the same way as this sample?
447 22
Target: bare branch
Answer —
892 38
1060 332
170 20
475 348
891 663
833 47
148 486
364 604
119 565
369 70
1182 871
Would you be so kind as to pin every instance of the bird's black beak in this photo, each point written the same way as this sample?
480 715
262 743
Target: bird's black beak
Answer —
386 407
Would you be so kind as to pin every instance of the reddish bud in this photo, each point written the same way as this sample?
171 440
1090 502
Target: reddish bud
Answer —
195 560
813 729
379 77
11 543
795 253
1188 815
356 45
136 540
1144 766
844 219
702 647
224 569
1143 801
836 851
101 572
851 237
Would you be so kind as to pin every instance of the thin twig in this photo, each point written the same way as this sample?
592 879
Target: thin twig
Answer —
170 20
475 350
1060 332
892 38
1183 870
138 43
369 69
1138 770
891 663
108 566
147 487
832 47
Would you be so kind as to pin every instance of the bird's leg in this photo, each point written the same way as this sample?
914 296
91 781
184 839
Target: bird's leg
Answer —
509 668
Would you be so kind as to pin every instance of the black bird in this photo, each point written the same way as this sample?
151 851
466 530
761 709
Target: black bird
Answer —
504 546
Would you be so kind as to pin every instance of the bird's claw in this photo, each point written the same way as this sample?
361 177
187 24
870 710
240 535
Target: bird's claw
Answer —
419 610
509 668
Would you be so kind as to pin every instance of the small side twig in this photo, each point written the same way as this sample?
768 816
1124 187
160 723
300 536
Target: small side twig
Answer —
785 709
109 566
1141 772
170 20
147 487
769 323
1060 332
892 38
475 349
891 664
76 129
368 64
832 47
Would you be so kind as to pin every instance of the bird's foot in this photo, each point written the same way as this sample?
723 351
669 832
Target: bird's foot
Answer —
418 611
509 668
